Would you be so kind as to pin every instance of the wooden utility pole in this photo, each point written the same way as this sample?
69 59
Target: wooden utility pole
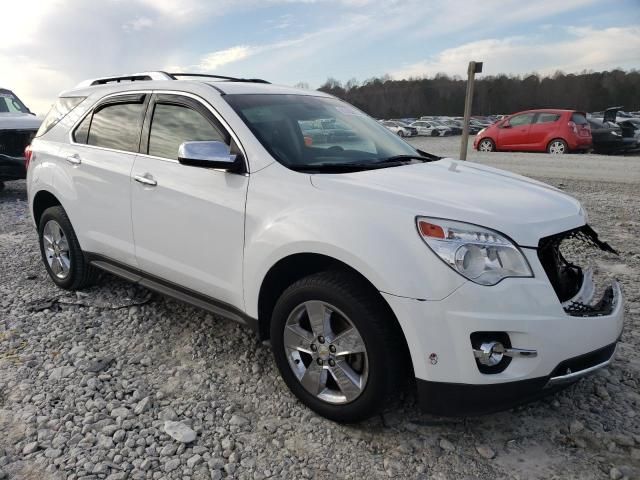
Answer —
474 67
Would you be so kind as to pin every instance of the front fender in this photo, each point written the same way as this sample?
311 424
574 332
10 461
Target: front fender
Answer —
378 241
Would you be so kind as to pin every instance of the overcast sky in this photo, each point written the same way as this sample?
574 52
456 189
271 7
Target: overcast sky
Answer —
50 45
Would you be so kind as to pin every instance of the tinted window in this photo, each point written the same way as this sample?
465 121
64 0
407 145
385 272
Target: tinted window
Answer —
59 110
116 126
81 133
579 119
524 119
547 117
173 124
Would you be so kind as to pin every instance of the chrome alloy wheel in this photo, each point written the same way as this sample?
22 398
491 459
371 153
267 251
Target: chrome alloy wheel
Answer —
486 146
326 352
56 249
557 147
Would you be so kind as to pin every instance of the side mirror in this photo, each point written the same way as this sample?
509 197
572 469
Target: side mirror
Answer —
209 154
505 125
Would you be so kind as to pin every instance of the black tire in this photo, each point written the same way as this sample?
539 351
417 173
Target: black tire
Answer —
387 355
435 133
557 146
80 274
490 145
400 133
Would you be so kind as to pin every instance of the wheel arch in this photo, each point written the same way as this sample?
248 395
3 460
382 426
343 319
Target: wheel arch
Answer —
292 268
42 200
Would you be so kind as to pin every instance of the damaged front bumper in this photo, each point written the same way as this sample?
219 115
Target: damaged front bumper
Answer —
565 314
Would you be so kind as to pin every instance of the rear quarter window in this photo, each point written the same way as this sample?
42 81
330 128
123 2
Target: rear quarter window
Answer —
60 109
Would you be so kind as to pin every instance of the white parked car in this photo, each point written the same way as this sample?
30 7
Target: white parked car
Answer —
431 129
17 127
363 261
399 128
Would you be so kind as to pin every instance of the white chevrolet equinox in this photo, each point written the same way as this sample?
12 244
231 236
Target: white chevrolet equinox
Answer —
363 261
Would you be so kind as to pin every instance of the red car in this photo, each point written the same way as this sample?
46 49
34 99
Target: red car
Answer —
552 131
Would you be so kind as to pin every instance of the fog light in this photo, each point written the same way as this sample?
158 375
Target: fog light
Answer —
490 353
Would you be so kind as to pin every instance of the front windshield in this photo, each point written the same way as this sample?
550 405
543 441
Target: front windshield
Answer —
9 103
303 131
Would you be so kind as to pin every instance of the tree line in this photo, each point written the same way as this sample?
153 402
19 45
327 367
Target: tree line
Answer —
383 97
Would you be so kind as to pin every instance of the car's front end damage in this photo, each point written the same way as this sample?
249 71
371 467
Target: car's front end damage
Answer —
491 348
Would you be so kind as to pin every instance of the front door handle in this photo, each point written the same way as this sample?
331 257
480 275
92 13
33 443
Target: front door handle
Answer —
146 179
74 159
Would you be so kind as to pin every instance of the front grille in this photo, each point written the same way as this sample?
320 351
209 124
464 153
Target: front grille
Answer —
571 260
13 142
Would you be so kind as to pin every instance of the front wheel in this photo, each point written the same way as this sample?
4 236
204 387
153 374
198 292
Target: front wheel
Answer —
557 147
400 133
337 346
486 145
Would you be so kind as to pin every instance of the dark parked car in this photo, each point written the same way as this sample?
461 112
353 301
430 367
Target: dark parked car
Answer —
18 126
609 137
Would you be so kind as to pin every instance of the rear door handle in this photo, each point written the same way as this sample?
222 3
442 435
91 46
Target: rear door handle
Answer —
146 179
74 159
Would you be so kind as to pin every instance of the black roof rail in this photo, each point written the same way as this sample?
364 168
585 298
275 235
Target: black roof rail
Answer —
219 77
160 75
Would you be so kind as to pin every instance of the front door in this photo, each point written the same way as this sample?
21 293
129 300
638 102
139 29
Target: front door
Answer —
514 134
188 222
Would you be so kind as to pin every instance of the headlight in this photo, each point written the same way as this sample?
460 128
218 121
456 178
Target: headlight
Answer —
482 255
617 134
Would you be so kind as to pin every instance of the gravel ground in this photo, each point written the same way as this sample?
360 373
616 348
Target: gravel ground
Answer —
90 383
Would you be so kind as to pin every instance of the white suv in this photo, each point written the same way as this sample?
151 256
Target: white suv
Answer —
364 261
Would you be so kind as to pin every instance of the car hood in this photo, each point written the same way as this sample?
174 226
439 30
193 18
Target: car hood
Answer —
19 121
523 209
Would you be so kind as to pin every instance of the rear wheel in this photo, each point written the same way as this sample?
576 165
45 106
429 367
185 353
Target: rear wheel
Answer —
486 145
557 147
336 346
61 253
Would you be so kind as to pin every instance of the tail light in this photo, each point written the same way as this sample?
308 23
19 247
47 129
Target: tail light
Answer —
27 156
573 127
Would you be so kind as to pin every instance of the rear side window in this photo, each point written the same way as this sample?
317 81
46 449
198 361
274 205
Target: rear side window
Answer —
174 124
116 126
579 119
547 117
60 109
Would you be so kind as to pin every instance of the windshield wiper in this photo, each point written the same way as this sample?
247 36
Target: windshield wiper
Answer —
401 158
394 161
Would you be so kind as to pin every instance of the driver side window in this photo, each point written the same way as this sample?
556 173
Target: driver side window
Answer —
174 124
520 120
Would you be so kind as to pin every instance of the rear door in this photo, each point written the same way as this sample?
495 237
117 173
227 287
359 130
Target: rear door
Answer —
543 128
188 222
514 134
98 165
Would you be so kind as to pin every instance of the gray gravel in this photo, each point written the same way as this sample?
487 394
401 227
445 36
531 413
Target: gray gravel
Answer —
115 382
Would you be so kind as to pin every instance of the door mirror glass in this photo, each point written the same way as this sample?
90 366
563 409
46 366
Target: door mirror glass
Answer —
209 154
